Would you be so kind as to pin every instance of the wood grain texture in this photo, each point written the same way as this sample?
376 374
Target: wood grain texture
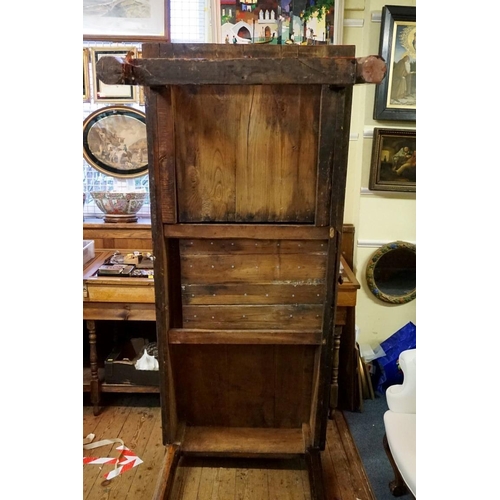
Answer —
256 162
212 479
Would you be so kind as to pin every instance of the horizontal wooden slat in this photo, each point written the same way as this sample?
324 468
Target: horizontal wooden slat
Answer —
251 247
276 317
242 440
229 268
253 293
244 71
254 231
204 336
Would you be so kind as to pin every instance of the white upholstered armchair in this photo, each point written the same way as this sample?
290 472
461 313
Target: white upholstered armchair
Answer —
400 423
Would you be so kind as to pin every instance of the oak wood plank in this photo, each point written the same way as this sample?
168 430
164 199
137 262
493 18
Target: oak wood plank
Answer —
245 231
358 479
207 480
251 246
153 455
136 434
166 477
279 317
254 293
224 487
203 336
243 441
191 483
256 268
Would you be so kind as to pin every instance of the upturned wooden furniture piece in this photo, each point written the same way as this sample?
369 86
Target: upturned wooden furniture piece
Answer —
247 163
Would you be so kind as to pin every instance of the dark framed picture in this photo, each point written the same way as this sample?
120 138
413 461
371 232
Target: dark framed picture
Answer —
112 93
394 160
140 21
86 85
115 141
396 95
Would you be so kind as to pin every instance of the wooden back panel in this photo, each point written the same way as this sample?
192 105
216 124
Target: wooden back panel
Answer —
256 162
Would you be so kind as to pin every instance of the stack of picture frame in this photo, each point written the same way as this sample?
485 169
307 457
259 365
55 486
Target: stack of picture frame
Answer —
393 162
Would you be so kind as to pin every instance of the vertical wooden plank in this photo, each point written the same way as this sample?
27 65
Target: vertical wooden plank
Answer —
202 395
252 483
205 153
207 481
250 389
342 99
225 485
191 483
153 456
136 434
166 477
343 103
291 379
325 156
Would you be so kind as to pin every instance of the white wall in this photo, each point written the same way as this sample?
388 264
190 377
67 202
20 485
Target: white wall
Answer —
378 217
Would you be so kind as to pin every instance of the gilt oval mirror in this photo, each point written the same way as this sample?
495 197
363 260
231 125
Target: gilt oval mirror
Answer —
391 272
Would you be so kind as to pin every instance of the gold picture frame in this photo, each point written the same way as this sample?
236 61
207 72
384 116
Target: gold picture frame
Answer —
112 93
394 160
86 78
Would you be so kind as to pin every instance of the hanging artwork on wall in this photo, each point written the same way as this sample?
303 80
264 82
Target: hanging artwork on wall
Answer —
140 21
86 85
112 93
279 22
115 141
394 160
396 96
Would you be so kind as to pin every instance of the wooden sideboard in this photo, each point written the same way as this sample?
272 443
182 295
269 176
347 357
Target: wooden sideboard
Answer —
133 299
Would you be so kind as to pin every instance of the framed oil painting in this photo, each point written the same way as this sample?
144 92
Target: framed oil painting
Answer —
394 160
141 20
396 95
86 85
278 22
112 93
115 141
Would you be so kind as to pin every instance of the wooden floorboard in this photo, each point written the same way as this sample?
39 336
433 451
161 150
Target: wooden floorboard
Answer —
216 478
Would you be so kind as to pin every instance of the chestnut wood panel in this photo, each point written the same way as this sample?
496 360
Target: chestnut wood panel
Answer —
224 397
256 162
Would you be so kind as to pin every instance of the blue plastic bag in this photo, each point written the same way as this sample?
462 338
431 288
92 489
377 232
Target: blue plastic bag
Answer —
389 372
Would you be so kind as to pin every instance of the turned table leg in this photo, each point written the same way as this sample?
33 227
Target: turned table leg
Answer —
94 375
334 390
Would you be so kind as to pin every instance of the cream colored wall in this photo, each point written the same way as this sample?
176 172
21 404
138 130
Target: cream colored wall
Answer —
378 217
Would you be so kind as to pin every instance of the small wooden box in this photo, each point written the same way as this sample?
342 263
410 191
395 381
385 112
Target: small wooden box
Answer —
119 366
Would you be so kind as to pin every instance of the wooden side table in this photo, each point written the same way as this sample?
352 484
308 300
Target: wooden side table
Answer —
111 298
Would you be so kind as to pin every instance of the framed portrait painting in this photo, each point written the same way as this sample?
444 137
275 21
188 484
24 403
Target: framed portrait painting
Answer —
141 21
396 95
394 160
